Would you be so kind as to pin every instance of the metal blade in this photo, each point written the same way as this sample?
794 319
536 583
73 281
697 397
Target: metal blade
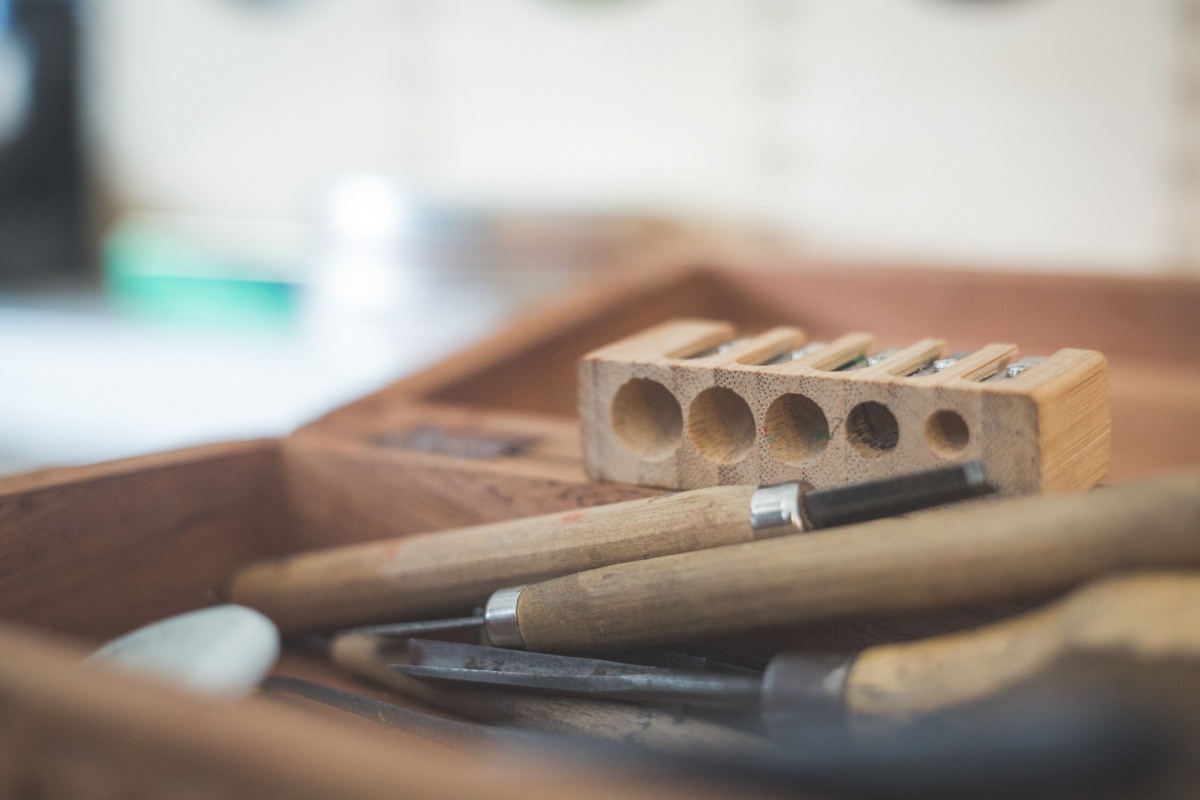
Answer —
432 653
677 660
407 629
585 677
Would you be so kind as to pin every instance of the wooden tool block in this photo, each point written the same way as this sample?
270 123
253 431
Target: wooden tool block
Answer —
687 404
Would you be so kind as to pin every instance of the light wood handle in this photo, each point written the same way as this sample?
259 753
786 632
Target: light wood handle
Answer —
1006 548
452 571
626 723
1144 617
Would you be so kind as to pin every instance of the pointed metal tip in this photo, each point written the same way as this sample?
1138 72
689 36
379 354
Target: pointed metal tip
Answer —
409 629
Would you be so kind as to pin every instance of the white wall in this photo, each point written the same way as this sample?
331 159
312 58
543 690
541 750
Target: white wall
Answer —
1032 130
1026 131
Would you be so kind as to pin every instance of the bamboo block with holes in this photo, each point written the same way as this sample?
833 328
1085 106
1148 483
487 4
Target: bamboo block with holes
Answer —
687 404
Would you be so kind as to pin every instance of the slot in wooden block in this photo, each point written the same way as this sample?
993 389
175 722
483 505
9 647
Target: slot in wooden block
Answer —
688 403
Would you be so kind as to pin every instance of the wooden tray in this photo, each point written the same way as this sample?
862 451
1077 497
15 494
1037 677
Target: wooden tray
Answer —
94 551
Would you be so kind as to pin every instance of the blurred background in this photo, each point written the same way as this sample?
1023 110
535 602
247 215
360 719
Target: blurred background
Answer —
220 218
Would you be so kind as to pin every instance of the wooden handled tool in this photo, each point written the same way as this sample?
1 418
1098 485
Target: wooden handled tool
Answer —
1077 747
1146 618
450 571
1143 618
1032 747
1008 548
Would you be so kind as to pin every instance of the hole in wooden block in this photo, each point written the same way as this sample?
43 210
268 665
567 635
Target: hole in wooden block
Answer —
796 429
872 429
647 419
946 432
721 425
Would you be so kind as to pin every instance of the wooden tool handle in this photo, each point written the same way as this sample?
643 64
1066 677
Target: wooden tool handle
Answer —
1007 548
452 571
1145 617
619 722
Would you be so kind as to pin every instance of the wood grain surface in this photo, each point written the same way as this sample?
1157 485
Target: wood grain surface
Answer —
370 481
453 571
100 550
988 550
1142 618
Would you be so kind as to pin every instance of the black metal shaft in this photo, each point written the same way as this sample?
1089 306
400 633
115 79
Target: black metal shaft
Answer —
861 502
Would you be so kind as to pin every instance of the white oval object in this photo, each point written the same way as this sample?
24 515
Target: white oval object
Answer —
223 650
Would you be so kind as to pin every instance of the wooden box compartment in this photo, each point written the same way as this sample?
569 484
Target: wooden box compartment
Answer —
490 434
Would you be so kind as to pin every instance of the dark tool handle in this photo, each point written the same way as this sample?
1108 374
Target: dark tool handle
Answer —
1008 548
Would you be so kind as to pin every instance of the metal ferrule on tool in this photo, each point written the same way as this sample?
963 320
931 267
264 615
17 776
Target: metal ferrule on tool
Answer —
500 618
775 509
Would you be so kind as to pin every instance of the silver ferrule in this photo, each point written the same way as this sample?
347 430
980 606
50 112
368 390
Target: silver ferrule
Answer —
775 509
500 618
